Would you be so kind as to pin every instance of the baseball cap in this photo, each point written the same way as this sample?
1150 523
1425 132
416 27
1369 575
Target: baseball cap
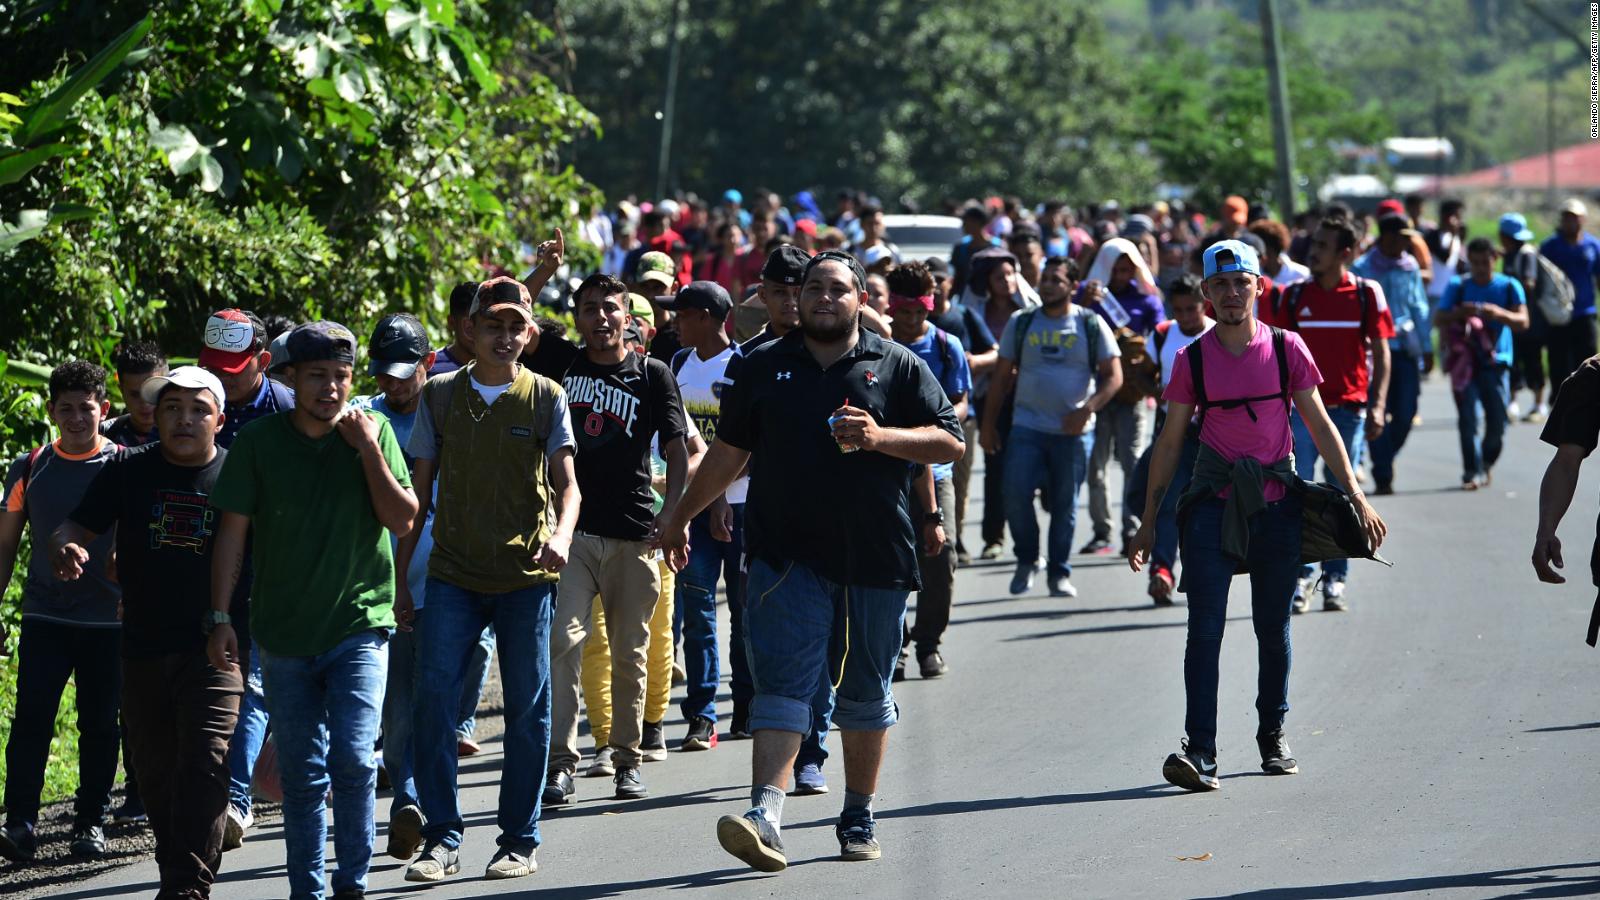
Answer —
192 377
632 332
1391 207
786 264
1391 223
1138 225
233 338
1515 226
839 256
656 268
1026 231
877 253
1236 209
500 293
398 345
639 305
733 196
1237 256
322 342
806 226
280 352
706 295
1575 207
937 267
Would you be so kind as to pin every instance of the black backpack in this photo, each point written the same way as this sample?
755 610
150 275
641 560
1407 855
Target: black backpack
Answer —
1197 374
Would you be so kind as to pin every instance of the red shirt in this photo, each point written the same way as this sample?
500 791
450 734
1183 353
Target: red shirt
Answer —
1330 323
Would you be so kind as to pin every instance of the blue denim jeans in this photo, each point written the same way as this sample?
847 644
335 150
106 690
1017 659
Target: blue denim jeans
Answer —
1165 552
399 699
802 629
1350 424
1405 388
1207 574
325 714
814 746
454 622
696 609
472 686
1490 388
248 737
1057 463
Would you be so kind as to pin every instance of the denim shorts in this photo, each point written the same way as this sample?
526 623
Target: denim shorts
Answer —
801 628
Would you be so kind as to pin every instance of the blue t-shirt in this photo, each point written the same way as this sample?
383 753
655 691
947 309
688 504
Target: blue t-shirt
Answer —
270 398
1500 291
947 360
1581 262
417 574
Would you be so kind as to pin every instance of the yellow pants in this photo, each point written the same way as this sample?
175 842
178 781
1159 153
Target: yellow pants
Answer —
597 666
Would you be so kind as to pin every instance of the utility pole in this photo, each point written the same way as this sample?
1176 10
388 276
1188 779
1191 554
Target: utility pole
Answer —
668 107
1278 96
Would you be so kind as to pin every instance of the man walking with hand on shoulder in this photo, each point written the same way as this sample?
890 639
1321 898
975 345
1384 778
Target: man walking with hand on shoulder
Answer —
833 556
323 601
1242 507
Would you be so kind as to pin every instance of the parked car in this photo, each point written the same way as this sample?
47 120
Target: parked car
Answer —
920 237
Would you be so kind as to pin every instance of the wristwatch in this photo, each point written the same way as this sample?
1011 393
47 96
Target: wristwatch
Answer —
212 618
933 518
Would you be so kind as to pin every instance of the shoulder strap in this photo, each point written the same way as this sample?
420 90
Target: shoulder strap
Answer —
1090 324
678 359
1197 374
1363 289
1020 336
1290 298
439 401
943 340
1280 349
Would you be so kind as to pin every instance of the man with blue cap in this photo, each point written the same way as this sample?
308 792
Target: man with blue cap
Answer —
1520 261
1241 510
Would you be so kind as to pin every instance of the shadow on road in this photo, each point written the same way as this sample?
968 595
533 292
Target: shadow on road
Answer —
1110 629
1535 881
1584 727
992 804
1056 613
613 889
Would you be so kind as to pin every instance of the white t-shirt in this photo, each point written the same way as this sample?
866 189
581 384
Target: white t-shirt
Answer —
701 383
1288 273
1174 341
490 392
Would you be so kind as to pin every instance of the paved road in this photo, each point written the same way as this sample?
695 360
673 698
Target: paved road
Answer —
1446 730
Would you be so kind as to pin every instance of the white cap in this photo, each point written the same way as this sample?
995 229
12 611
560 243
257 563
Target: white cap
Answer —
192 377
1575 206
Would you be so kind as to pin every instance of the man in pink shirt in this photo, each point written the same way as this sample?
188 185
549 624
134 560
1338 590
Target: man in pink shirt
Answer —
1241 511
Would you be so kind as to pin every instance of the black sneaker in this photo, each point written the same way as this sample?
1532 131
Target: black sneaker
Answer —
739 723
653 743
1192 770
1022 578
558 788
702 734
753 840
629 787
1096 546
350 893
88 841
17 842
131 812
437 863
856 832
1276 759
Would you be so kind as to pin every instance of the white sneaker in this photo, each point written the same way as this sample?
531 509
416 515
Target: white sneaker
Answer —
234 827
1513 411
1302 595
1061 586
1333 597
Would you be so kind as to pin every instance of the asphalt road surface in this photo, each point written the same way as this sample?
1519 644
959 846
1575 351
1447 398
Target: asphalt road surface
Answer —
1446 729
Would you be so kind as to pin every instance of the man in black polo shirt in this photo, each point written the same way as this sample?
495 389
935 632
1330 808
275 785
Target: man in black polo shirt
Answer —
833 555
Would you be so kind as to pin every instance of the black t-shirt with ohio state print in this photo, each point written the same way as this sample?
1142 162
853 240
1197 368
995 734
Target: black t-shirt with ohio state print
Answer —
616 411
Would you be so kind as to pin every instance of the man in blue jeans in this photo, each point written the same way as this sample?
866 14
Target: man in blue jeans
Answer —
495 435
1049 357
1478 313
322 606
1342 318
1239 510
1399 275
833 555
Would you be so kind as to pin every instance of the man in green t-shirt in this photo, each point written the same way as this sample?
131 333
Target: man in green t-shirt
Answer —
319 485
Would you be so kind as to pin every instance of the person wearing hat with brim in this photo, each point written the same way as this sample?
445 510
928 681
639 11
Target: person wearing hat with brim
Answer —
323 599
1398 273
235 351
178 708
656 276
497 553
399 357
1520 260
1575 252
1252 372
